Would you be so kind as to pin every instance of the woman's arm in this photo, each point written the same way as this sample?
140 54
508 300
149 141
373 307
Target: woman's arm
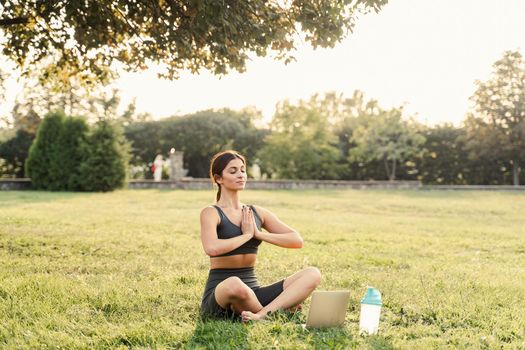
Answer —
278 233
212 245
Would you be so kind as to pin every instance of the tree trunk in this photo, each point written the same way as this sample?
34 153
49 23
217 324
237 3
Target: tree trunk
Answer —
392 176
515 173
387 169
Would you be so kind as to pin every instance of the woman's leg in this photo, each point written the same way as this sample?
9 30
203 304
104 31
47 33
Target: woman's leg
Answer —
234 294
297 288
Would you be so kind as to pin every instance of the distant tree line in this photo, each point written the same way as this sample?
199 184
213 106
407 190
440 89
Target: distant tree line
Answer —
360 141
328 136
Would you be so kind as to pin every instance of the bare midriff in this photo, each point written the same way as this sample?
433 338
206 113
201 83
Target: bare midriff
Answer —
233 261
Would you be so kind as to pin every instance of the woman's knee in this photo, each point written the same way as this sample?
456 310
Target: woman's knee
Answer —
236 289
314 275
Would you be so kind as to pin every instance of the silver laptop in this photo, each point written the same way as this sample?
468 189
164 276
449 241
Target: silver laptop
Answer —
327 309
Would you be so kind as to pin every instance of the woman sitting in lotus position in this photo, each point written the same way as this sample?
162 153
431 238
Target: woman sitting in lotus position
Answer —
231 233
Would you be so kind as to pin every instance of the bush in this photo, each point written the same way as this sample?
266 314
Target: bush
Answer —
14 151
56 153
107 155
43 163
72 144
66 156
6 169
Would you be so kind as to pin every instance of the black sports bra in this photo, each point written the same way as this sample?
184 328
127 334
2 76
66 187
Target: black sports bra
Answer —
227 229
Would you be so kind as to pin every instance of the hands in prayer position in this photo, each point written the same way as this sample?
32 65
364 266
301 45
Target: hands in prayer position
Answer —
248 225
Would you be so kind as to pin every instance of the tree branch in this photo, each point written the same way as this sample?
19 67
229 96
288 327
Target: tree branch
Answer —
4 22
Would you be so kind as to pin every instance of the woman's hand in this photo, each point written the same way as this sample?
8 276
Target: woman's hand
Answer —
248 226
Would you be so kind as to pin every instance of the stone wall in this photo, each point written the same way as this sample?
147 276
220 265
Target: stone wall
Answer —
278 184
15 184
473 187
191 183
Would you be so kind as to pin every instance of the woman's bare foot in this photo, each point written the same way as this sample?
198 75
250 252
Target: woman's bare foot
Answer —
250 316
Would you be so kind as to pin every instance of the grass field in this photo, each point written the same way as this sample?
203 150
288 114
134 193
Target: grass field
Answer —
127 270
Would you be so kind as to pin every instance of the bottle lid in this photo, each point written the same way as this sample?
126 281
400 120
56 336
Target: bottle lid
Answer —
372 297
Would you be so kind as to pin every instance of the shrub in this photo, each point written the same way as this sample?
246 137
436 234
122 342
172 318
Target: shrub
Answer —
14 151
107 154
43 163
56 153
72 145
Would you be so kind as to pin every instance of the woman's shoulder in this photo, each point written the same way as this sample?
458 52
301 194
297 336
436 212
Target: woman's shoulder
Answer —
210 213
209 210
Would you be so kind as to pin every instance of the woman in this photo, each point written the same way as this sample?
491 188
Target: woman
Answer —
230 234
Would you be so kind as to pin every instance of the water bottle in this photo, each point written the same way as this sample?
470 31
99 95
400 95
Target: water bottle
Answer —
370 311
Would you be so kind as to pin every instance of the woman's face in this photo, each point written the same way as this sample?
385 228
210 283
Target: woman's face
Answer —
234 175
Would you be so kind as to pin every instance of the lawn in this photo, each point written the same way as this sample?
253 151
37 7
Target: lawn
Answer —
127 269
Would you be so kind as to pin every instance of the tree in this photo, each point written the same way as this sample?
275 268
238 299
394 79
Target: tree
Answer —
14 151
4 120
146 142
71 144
445 160
202 134
348 114
5 169
303 131
3 77
84 38
487 163
56 153
35 101
198 135
387 137
106 156
94 102
43 165
27 121
39 97
500 106
130 115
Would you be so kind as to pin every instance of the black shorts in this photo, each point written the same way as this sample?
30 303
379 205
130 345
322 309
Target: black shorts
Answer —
209 305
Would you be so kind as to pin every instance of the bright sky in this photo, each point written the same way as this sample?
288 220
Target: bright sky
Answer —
423 54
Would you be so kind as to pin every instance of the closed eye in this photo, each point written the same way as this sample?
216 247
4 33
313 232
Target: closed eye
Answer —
234 170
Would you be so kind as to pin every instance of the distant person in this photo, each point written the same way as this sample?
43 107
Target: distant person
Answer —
158 164
231 233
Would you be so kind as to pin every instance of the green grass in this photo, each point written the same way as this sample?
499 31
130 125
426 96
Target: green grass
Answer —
127 270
